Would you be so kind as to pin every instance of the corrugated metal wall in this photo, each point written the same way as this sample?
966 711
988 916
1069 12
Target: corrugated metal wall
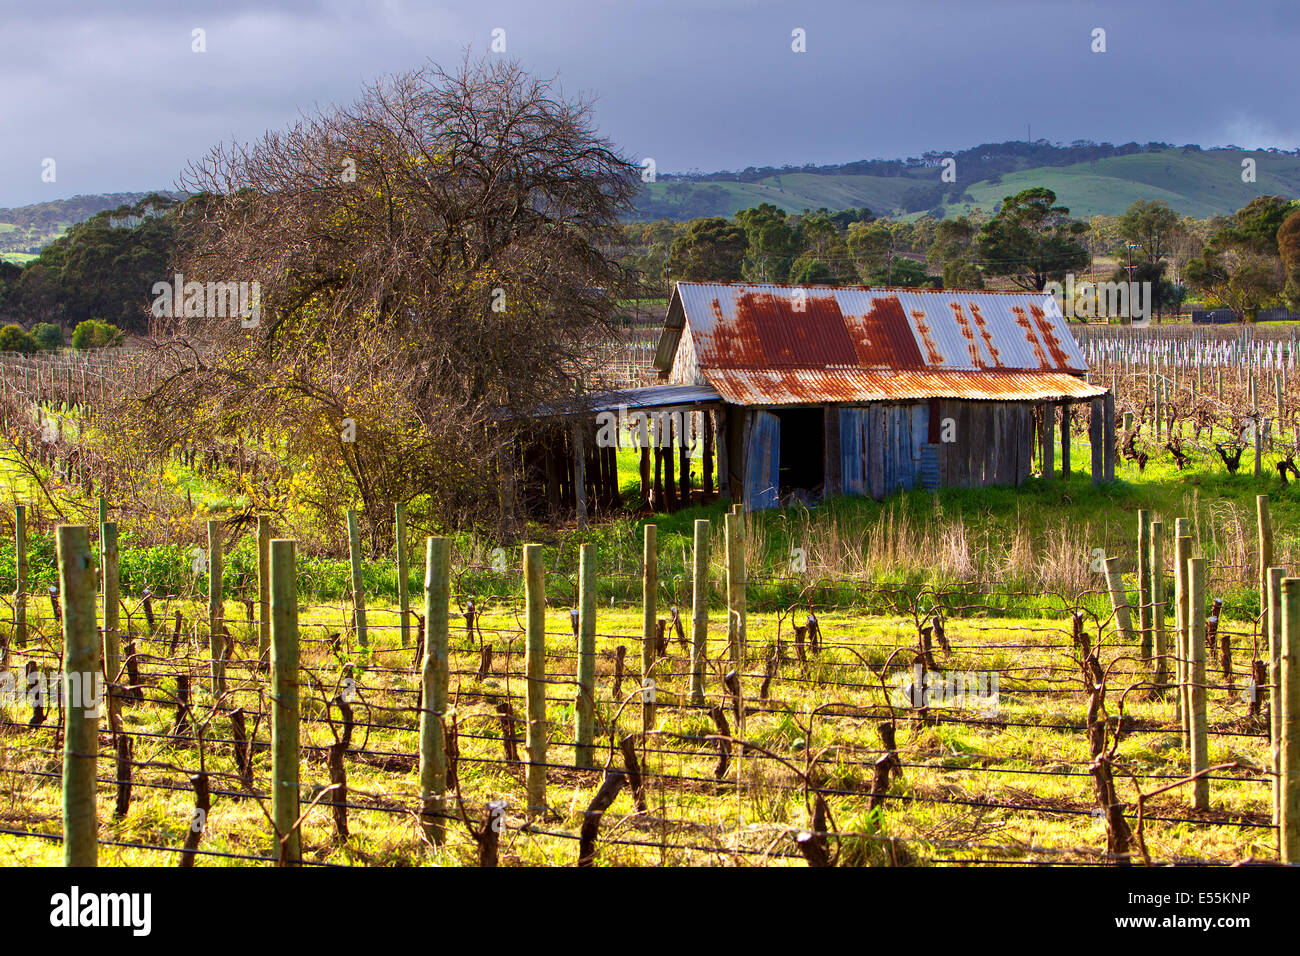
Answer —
762 461
883 448
886 448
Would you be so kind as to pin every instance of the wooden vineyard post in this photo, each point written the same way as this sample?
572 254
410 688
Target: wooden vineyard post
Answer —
20 566
1264 529
1161 637
1196 575
649 626
1145 609
81 702
1289 706
358 588
1119 601
1157 411
699 610
111 626
434 675
735 545
216 642
263 588
284 686
535 673
403 569
1182 551
1258 422
584 710
1274 616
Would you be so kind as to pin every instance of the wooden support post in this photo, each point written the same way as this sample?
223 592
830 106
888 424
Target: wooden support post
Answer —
20 565
1144 581
284 699
1065 439
358 586
699 610
735 544
1274 617
1157 410
722 439
263 589
535 674
1259 442
1182 551
584 711
433 676
216 605
706 476
111 626
579 471
1156 561
1119 601
1264 530
81 702
1049 440
1108 436
1095 438
403 570
1289 707
649 623
1197 573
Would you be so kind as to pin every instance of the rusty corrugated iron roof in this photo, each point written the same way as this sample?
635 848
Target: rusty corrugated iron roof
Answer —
801 386
759 326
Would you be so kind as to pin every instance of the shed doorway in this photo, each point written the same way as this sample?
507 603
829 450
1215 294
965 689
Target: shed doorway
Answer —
803 442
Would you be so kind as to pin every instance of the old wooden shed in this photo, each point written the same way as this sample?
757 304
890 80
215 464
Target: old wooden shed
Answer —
861 390
802 392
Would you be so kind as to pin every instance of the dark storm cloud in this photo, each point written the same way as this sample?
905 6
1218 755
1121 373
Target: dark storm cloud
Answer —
114 94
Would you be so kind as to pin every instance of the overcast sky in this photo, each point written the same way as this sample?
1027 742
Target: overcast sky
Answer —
113 92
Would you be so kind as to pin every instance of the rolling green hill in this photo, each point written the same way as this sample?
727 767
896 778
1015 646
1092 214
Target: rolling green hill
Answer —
1194 182
25 230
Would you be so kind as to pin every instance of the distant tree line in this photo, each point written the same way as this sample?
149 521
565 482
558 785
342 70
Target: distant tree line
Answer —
1247 261
103 269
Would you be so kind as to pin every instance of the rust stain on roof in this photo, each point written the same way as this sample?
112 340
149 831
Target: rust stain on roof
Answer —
806 330
884 337
1022 320
1059 357
735 337
932 353
968 334
984 331
798 342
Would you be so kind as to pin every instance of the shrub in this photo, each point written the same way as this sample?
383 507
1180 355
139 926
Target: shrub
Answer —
14 339
94 334
48 337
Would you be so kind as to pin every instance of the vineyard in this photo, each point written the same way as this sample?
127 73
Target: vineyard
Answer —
724 720
708 697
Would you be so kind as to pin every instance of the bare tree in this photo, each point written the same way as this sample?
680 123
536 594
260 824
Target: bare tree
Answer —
431 268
